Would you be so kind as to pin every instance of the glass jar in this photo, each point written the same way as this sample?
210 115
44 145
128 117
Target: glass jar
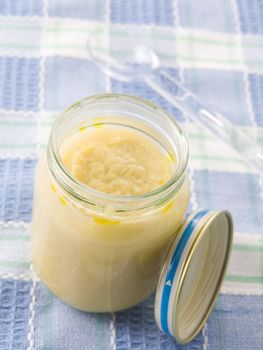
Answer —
100 252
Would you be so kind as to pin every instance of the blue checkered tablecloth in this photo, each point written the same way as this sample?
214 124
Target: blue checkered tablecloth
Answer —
216 49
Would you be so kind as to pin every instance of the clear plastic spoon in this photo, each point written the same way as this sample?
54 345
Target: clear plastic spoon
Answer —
147 68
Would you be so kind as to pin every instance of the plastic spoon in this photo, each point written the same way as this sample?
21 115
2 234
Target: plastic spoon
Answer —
148 69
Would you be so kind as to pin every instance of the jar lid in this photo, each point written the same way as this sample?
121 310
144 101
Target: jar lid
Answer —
192 274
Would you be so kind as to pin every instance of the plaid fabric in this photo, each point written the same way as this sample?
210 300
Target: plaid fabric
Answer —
215 48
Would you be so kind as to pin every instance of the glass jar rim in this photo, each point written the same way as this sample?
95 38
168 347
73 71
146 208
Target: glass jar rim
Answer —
83 192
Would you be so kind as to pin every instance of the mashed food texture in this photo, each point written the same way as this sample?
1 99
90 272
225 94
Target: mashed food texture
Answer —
118 161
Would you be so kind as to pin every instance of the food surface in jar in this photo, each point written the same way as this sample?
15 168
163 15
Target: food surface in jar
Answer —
117 160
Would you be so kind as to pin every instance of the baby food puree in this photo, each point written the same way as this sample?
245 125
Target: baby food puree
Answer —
117 160
105 207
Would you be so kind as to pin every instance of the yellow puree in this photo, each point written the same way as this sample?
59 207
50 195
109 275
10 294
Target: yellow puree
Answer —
116 160
100 260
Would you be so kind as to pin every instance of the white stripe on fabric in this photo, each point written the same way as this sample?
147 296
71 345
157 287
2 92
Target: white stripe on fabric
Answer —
14 224
205 150
17 18
42 77
241 289
177 25
193 194
205 336
107 40
253 265
247 238
10 40
17 113
31 323
244 68
209 50
18 155
27 276
246 263
209 152
108 89
67 37
113 332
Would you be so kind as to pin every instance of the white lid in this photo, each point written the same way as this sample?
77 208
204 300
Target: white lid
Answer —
192 274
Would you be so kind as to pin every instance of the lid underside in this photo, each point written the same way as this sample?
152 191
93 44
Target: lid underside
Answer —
200 273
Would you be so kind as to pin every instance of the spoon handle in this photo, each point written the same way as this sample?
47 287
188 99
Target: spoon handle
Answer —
182 98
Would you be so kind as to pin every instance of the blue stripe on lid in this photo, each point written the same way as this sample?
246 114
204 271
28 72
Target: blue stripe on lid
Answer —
165 299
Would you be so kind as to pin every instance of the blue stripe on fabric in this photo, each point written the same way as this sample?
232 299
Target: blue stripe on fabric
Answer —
86 9
21 7
165 299
19 83
240 193
61 327
158 12
236 323
143 90
232 316
250 16
16 189
15 299
256 91
228 88
69 79
212 15
136 329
